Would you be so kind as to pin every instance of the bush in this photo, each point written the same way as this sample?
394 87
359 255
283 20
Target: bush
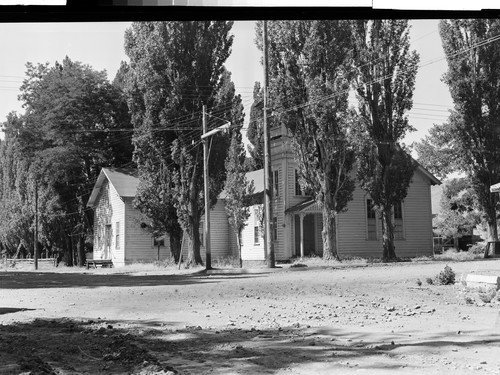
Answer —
446 277
488 295
477 249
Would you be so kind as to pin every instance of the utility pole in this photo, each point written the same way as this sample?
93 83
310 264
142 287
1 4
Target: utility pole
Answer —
206 236
35 255
268 196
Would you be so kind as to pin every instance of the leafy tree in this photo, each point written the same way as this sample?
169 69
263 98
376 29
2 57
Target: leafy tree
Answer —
237 189
469 141
459 209
175 68
15 211
309 65
384 84
67 136
255 129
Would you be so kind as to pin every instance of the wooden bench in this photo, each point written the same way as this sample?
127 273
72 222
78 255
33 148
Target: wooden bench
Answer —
99 262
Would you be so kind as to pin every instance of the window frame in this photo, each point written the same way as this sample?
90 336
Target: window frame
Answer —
298 188
370 221
117 235
275 183
257 225
398 210
274 230
256 235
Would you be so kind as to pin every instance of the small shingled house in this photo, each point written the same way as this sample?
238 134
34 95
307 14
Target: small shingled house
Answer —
118 234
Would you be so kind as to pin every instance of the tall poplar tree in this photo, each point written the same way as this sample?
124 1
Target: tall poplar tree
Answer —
471 138
255 129
237 189
386 70
175 68
310 75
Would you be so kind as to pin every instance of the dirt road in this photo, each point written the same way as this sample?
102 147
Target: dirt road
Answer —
373 319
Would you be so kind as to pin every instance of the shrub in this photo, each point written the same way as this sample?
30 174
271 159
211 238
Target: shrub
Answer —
429 280
469 300
446 277
477 249
488 295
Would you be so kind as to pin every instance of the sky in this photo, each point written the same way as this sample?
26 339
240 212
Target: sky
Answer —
100 45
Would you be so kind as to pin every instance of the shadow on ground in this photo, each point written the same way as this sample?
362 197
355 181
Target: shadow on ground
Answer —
70 346
36 280
11 310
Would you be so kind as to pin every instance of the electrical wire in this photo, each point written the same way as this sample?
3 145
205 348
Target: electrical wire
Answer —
326 97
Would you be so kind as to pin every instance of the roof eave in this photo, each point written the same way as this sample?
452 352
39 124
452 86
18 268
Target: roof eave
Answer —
97 187
433 179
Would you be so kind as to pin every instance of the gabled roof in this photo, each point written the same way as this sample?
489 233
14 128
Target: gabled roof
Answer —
124 181
433 179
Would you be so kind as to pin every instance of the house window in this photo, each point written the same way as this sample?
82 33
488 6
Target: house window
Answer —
158 241
275 183
398 221
257 222
371 223
107 236
275 229
117 238
298 190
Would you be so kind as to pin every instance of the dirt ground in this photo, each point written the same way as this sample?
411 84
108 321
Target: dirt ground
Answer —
368 319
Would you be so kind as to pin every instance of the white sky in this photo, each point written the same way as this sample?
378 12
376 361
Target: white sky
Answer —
100 45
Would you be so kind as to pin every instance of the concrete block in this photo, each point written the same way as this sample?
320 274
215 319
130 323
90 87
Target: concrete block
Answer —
482 281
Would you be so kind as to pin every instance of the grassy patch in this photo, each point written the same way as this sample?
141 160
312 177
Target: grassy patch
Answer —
458 256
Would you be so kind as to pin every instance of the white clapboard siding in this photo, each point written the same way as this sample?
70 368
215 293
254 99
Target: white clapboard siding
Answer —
251 250
219 232
139 242
352 230
222 237
109 210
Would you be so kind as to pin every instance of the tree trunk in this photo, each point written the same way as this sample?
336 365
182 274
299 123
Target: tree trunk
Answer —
389 253
69 252
194 257
238 243
80 249
175 246
329 234
492 230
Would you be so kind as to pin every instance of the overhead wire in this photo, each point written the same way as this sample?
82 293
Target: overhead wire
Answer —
381 79
325 97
